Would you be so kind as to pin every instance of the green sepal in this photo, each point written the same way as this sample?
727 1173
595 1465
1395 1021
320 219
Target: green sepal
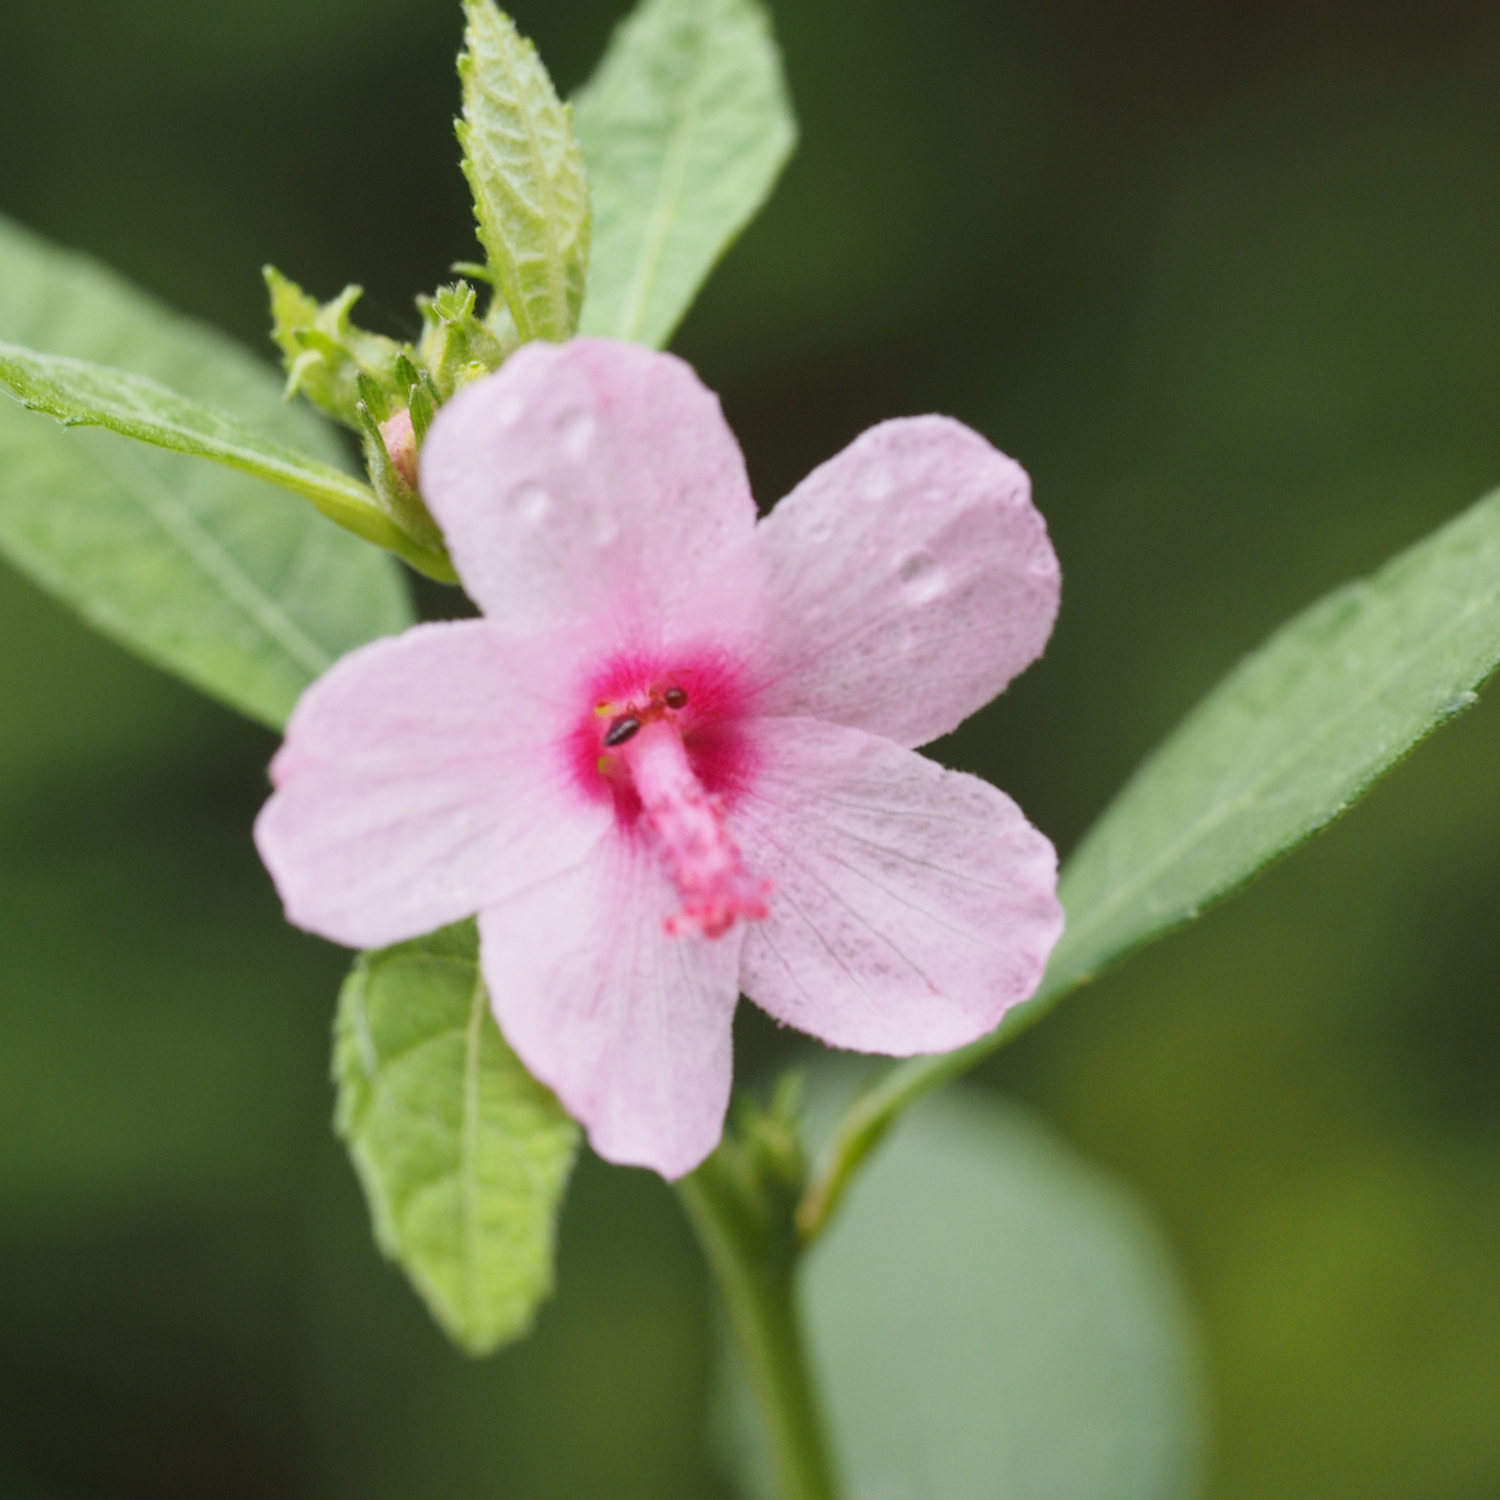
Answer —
458 345
400 499
463 1156
373 397
525 169
405 373
324 353
423 409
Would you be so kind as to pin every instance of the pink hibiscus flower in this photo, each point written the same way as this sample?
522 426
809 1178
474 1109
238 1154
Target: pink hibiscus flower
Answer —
673 761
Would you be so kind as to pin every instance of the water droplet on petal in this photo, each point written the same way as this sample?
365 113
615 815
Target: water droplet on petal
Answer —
508 411
576 429
528 502
920 576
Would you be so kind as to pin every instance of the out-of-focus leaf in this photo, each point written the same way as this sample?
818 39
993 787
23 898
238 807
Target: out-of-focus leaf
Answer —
685 128
994 1320
238 587
525 170
463 1155
1290 739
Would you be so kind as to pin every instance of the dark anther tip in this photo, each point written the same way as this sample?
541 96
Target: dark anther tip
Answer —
620 731
675 698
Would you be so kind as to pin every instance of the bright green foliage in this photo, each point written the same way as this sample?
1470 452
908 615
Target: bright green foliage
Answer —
463 1155
240 588
525 169
1287 742
81 394
993 1318
324 353
685 128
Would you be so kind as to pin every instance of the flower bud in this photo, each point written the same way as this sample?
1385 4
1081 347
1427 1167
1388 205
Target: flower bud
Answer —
400 440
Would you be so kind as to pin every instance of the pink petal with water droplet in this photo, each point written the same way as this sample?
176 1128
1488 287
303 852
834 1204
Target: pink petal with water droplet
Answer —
628 1025
910 578
422 777
911 905
593 480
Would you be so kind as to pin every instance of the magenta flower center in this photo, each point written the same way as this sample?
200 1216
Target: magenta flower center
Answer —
669 756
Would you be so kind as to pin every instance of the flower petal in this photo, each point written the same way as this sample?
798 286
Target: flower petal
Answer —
910 579
422 777
629 1026
586 478
912 906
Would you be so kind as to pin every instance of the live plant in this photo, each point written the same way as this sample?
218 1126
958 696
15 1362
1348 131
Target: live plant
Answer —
599 221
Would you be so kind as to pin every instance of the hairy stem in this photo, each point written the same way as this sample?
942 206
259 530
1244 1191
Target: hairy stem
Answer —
752 1250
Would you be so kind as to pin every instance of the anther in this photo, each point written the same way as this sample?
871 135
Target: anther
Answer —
675 698
621 731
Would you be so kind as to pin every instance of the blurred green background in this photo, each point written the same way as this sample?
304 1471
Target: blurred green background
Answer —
1226 278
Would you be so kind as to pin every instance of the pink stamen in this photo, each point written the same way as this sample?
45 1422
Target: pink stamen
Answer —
716 888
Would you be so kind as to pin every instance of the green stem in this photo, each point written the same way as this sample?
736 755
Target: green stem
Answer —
753 1258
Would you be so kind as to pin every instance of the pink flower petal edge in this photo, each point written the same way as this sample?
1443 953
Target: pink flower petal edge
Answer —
627 1023
915 905
908 580
674 760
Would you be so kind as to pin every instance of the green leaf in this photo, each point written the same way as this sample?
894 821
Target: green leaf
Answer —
463 1155
81 394
685 128
992 1317
238 587
525 170
1290 739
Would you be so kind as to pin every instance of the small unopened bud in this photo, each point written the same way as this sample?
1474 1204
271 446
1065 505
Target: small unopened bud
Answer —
400 439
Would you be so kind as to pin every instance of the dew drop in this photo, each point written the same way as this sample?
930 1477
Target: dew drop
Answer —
920 576
508 411
576 429
528 502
